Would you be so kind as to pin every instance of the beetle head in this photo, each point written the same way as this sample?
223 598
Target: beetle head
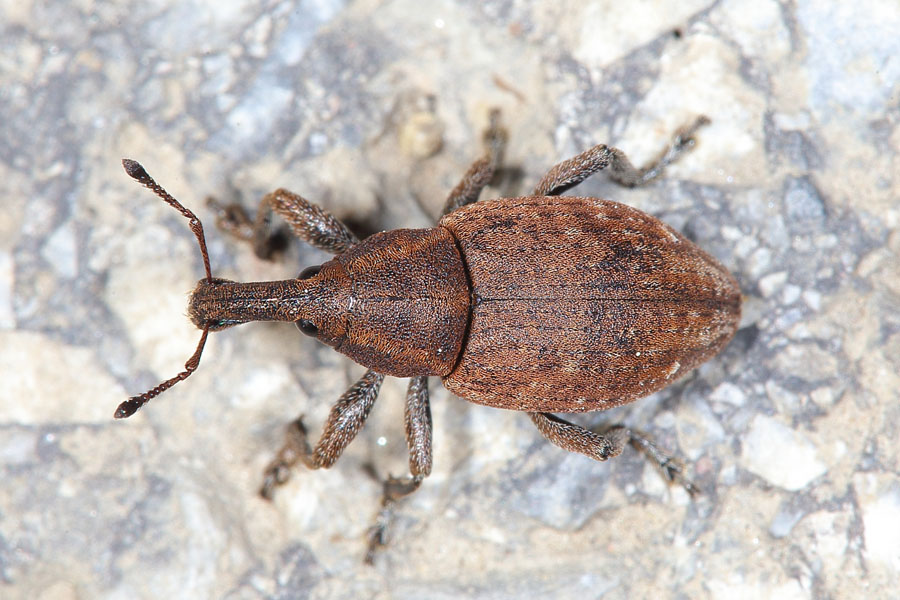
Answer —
317 302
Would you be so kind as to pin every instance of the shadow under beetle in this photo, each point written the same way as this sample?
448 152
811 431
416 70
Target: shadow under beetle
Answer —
543 304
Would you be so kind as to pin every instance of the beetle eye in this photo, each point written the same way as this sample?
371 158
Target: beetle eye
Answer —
307 327
219 324
309 272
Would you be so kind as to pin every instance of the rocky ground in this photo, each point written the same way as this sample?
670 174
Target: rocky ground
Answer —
375 109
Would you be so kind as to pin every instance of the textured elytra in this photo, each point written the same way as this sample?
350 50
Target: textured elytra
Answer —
581 304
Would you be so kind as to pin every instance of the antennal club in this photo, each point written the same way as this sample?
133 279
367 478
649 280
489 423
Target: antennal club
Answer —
131 406
137 172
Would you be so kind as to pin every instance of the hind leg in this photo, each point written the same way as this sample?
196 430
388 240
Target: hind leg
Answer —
570 173
574 438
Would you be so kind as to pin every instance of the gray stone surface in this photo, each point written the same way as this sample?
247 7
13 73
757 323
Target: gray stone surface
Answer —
375 109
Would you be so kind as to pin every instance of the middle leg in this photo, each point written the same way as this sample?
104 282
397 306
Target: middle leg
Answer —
482 170
570 173
418 439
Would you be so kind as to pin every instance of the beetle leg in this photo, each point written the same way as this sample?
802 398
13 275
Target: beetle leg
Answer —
279 470
574 438
393 489
344 422
570 173
467 191
233 219
310 222
482 170
418 438
418 427
670 467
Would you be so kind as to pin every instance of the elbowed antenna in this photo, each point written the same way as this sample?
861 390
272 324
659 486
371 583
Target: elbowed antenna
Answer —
137 172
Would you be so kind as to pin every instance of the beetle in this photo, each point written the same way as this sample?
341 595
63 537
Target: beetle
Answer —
543 304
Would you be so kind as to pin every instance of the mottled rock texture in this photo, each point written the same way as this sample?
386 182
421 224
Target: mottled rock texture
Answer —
375 109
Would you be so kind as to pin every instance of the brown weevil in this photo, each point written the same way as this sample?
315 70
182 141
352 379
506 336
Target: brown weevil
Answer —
542 303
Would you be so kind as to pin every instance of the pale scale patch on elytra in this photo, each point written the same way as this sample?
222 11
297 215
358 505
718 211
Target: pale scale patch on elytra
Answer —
659 228
670 233
673 369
